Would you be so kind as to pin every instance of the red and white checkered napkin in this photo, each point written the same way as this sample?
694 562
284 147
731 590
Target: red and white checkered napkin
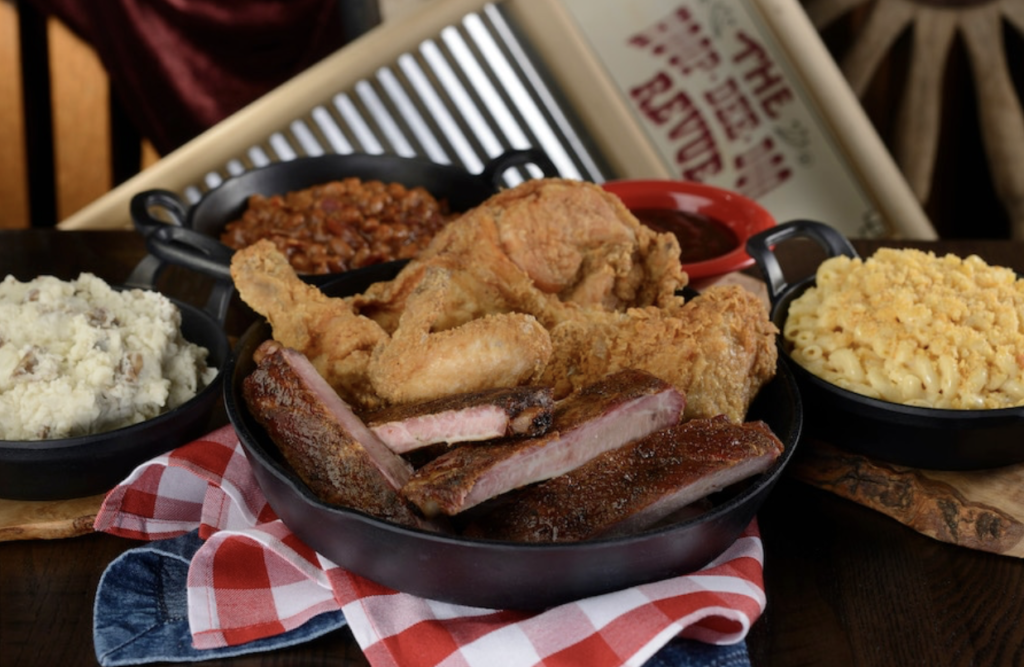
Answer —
253 578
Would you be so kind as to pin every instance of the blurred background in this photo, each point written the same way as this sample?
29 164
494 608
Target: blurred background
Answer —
81 117
955 180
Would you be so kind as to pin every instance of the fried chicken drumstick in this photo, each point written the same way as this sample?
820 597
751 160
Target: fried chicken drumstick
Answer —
337 341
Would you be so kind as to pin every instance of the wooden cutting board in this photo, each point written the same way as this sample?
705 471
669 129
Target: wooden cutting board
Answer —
981 509
47 520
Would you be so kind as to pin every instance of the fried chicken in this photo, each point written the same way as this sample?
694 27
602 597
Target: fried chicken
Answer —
718 349
417 364
578 242
337 341
553 281
540 248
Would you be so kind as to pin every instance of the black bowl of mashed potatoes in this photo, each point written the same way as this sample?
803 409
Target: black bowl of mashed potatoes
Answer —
903 356
96 380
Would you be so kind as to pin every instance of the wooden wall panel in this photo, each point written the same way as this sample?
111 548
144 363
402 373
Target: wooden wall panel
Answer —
13 193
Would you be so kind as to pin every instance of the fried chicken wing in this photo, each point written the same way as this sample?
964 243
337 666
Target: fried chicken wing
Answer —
337 341
718 349
480 284
419 364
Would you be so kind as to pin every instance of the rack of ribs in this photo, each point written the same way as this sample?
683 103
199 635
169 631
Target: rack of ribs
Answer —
322 439
629 489
601 417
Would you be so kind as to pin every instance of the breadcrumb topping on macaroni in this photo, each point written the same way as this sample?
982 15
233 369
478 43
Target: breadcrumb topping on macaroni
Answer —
909 327
78 357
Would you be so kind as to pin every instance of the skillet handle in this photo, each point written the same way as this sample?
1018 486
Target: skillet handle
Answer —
171 242
145 273
148 270
496 168
759 247
143 202
191 249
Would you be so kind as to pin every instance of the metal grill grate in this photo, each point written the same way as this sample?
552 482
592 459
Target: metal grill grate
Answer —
462 97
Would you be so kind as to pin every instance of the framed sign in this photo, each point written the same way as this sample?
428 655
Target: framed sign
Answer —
740 94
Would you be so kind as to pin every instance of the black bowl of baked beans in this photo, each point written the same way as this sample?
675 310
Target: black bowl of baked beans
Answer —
328 214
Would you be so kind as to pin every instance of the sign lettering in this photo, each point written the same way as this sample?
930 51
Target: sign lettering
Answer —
708 104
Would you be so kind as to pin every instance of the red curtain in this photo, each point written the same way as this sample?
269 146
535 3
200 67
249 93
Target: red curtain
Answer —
180 66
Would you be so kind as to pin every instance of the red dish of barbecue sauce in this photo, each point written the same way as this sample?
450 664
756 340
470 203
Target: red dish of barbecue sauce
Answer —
700 238
711 223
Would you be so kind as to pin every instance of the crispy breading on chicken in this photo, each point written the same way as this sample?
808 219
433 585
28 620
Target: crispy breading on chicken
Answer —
481 282
337 341
579 242
718 349
419 364
540 248
551 282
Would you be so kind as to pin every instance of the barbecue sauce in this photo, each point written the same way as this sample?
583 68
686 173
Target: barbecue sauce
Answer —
700 238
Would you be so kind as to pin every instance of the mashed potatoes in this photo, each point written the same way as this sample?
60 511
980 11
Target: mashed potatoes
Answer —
909 327
78 357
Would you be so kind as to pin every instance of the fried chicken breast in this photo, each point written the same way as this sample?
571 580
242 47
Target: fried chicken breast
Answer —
540 248
718 349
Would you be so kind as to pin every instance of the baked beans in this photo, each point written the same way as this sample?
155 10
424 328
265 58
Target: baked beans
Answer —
341 225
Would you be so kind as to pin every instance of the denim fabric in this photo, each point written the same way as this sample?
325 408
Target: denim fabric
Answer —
141 616
141 611
690 653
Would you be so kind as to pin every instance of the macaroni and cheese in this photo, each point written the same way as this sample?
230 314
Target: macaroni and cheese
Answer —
908 327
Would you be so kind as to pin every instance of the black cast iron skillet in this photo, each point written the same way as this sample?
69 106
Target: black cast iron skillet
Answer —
189 236
86 465
493 574
933 438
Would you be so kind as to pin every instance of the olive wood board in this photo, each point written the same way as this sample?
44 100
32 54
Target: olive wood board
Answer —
47 519
980 509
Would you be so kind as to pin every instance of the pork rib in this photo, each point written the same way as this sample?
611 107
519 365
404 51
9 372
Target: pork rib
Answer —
469 417
601 417
327 445
629 489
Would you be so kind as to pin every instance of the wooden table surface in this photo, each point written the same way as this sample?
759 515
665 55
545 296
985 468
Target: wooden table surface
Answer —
845 584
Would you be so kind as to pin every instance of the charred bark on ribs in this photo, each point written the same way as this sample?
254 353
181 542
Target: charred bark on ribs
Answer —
327 445
629 489
621 408
615 461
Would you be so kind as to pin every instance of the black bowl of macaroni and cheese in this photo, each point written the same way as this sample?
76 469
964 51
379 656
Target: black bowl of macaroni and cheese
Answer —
903 356
95 380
